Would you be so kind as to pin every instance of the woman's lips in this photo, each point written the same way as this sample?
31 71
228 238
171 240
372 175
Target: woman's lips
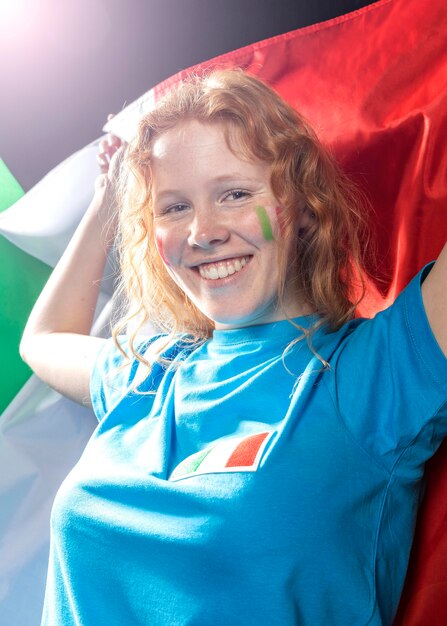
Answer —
222 269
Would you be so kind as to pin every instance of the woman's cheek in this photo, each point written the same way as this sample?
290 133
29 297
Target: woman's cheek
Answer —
280 220
271 222
160 243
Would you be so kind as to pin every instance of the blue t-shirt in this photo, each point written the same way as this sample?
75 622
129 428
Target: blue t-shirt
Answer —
254 486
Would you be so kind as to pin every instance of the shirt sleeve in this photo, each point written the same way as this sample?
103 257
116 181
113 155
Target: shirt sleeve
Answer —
391 380
113 374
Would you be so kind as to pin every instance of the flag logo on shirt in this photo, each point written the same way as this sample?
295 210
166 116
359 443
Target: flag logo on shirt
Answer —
233 454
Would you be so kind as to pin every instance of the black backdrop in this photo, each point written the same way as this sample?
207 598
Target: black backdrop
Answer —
65 64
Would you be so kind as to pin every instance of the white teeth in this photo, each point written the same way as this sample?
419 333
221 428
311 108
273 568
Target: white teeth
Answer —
223 269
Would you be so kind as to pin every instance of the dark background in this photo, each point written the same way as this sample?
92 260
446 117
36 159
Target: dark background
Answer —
66 64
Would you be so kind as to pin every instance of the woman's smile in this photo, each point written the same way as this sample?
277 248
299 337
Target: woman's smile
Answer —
222 269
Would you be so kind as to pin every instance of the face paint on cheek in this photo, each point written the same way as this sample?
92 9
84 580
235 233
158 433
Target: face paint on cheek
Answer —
280 218
266 225
159 244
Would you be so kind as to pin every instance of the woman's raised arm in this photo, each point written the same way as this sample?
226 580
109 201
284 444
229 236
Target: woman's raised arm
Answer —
56 342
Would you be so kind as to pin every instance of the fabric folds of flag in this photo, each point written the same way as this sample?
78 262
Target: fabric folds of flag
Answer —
17 268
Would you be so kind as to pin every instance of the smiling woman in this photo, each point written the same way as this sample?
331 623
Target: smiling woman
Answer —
212 168
252 436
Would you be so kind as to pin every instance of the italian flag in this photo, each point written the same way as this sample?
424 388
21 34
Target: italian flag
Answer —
232 454
374 85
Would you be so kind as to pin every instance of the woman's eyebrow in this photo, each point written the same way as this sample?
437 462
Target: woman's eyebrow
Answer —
236 176
233 178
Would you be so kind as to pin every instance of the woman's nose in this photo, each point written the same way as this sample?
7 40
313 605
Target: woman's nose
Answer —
207 230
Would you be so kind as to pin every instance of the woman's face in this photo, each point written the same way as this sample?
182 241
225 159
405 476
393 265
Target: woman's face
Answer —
216 226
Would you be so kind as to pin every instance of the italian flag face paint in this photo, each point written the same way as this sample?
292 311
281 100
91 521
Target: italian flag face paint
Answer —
233 454
266 225
280 218
159 244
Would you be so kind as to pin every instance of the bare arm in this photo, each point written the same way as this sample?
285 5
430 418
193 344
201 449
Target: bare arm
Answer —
56 342
434 294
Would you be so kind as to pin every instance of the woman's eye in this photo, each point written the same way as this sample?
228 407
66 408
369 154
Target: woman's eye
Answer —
174 208
236 194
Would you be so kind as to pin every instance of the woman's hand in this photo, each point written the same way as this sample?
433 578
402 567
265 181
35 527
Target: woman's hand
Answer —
108 147
109 159
109 155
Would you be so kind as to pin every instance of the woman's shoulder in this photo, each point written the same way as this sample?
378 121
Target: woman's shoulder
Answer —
129 365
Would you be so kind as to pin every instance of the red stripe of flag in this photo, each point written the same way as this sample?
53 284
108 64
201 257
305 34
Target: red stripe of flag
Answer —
245 453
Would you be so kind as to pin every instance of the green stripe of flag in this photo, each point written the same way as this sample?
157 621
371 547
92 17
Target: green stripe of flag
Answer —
10 189
191 463
21 280
264 220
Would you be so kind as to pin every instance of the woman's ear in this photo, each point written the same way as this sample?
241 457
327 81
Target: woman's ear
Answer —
306 217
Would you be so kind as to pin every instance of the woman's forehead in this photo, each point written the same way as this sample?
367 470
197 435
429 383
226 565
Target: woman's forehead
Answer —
186 131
